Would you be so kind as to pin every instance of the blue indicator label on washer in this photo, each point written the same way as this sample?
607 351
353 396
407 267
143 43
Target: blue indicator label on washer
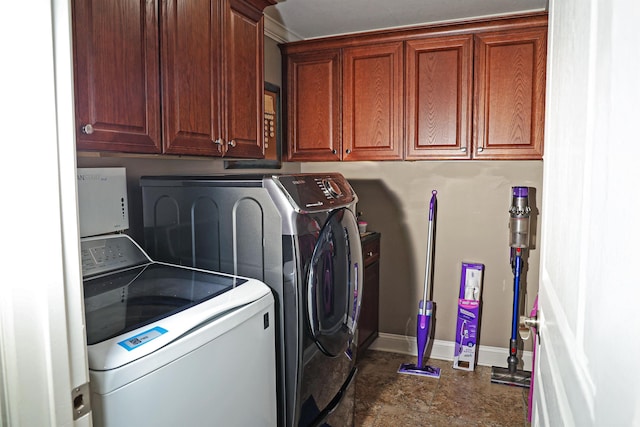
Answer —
142 338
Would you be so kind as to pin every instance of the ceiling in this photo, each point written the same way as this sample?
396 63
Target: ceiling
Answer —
291 20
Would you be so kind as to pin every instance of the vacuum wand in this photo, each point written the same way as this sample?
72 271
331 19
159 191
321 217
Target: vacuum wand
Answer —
428 274
519 242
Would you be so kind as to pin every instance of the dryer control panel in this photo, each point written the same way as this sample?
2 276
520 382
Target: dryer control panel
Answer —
316 192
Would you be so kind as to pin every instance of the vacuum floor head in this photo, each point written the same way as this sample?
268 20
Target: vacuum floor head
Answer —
503 376
425 371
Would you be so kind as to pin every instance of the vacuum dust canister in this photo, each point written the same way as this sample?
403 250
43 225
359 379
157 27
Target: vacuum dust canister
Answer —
520 211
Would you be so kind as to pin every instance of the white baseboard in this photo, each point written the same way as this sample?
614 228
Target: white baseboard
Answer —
443 350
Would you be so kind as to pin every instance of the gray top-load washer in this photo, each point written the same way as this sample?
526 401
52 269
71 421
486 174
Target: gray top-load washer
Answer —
296 233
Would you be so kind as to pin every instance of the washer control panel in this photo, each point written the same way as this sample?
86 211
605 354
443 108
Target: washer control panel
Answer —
109 253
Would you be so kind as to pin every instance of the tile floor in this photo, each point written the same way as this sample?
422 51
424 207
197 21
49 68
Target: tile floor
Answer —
458 398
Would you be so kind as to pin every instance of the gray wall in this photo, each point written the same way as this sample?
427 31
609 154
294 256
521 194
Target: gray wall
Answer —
272 62
472 226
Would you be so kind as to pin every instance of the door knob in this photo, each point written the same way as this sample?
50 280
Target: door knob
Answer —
526 324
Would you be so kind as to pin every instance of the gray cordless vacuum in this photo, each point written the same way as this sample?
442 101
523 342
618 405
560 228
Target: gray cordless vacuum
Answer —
520 213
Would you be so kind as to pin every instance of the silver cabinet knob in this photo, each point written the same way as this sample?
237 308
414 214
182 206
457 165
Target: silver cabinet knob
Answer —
480 149
232 143
334 151
218 141
463 149
348 151
87 129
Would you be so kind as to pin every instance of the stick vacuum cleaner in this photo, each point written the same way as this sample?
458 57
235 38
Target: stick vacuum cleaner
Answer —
425 308
519 242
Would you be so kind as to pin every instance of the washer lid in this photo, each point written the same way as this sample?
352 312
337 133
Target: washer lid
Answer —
121 302
145 331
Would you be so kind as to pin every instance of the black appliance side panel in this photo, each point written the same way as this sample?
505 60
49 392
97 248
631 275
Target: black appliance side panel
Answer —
234 230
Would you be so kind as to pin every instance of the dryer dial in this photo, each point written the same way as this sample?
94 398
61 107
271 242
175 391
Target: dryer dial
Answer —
331 188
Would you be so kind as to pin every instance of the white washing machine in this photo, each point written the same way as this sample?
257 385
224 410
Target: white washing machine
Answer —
175 346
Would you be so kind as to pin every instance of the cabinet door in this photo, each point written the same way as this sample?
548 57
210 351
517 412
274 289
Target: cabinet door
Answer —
190 69
116 75
368 322
509 94
439 76
373 102
313 101
243 77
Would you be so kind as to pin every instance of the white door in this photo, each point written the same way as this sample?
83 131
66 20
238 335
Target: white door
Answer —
588 366
42 342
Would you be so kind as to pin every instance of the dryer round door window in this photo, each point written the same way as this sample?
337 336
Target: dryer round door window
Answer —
332 286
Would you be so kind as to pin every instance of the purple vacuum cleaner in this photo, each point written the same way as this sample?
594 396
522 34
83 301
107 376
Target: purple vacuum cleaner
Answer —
425 308
519 242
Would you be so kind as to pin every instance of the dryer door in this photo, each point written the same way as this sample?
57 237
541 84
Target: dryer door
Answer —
334 283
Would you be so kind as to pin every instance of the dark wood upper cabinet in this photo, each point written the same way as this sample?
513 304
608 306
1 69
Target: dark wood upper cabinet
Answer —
345 104
188 98
314 106
243 74
117 84
472 90
190 84
510 94
372 99
439 81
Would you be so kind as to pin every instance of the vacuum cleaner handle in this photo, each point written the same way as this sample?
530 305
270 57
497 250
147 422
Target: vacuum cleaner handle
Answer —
427 275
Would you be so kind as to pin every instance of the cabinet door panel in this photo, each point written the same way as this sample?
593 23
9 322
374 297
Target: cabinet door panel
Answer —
313 98
243 78
190 83
368 322
373 102
439 73
116 75
510 88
